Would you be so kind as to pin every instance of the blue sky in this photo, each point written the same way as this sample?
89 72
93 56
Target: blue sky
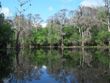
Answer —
45 8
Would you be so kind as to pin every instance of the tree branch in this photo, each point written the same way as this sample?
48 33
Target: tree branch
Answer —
25 2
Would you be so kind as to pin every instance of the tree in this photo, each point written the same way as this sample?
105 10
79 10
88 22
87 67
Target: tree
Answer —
37 20
18 22
71 17
62 16
107 5
72 35
53 25
42 36
0 5
6 31
85 20
106 13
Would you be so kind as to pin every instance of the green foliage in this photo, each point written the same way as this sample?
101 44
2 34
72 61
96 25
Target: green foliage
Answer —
75 37
42 36
50 35
6 31
72 35
32 38
102 37
53 35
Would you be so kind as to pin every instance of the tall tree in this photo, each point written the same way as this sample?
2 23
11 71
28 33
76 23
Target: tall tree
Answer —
107 5
6 31
62 18
19 19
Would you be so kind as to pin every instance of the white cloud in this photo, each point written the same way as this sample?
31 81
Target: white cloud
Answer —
44 25
6 12
50 8
92 3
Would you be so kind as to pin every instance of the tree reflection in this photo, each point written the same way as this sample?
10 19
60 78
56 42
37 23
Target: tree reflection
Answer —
67 66
6 65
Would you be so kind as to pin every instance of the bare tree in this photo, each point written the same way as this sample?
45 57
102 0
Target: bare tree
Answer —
85 20
50 25
107 5
62 16
19 19
37 20
71 17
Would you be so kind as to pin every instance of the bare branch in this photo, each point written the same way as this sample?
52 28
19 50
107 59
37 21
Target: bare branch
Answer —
17 9
26 2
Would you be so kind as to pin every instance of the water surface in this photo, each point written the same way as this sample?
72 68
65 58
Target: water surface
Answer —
55 66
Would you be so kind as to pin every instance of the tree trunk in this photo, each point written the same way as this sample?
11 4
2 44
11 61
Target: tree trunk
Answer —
109 26
17 41
82 43
109 31
82 37
62 45
107 5
23 44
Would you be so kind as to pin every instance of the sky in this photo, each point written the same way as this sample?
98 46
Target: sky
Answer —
45 8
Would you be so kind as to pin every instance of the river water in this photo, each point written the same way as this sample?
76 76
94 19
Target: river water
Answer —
80 65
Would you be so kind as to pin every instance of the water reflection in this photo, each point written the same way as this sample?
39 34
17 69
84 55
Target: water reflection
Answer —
6 65
55 66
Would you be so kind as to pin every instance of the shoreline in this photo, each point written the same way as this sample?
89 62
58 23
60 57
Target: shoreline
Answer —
63 47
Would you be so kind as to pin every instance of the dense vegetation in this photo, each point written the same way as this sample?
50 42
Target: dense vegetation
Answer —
6 31
86 26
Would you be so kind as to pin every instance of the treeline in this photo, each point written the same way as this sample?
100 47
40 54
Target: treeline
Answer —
86 26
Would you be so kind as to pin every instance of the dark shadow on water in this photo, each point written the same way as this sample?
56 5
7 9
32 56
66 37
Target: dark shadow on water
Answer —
6 64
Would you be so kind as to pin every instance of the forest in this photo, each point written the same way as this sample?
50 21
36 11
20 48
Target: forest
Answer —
87 26
73 47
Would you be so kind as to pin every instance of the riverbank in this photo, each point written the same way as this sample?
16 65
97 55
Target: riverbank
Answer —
64 47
